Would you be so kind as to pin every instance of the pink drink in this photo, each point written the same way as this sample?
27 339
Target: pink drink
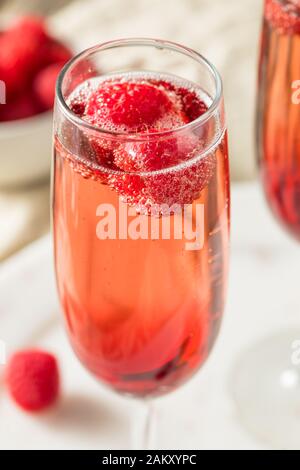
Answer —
279 111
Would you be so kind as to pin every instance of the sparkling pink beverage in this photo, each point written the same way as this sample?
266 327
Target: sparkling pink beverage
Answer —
142 313
278 123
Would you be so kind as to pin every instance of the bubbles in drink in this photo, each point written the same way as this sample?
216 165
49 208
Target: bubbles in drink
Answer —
153 169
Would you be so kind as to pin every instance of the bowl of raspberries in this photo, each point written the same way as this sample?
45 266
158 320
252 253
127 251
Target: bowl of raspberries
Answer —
30 61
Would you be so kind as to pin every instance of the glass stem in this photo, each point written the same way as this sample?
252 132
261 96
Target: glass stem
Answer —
144 426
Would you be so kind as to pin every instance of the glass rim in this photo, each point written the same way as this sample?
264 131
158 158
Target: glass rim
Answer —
131 42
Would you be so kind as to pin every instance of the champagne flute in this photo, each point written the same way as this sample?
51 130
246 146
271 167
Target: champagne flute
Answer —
267 383
141 213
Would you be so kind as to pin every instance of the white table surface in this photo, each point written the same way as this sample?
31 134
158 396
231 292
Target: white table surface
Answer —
263 293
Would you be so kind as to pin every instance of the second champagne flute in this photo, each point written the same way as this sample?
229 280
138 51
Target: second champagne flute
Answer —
267 385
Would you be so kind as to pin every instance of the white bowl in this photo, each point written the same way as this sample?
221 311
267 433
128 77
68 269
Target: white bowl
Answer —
25 150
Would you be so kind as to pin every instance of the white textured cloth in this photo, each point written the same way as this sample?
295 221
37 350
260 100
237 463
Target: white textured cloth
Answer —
24 217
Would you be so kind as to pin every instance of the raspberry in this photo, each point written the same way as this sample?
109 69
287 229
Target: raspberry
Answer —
284 16
128 106
192 107
155 154
131 188
44 85
19 108
102 153
179 186
20 58
146 156
33 379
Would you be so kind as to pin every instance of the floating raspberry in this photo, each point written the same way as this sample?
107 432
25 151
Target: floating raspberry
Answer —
33 379
284 15
44 85
192 107
128 106
155 153
131 187
102 152
181 185
150 155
